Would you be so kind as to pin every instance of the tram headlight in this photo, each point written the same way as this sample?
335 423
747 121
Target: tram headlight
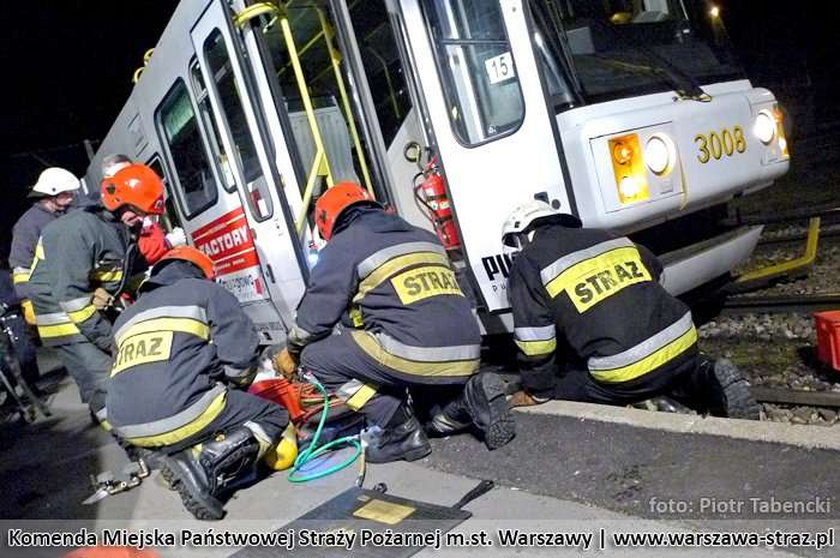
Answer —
628 168
765 127
660 154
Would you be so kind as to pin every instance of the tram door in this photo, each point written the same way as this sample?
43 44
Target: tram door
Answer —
315 97
249 162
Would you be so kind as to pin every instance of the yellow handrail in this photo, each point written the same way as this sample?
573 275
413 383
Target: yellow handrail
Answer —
321 165
335 58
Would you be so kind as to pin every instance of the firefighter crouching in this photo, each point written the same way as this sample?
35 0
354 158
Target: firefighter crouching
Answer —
181 347
594 302
404 324
82 261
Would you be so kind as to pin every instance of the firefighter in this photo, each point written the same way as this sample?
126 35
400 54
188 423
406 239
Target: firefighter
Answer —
383 312
152 242
183 349
53 193
593 323
82 261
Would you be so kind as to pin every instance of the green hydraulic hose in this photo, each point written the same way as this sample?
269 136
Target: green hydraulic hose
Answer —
315 451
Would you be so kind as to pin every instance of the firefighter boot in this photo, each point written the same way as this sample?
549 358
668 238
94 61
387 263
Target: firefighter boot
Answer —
482 403
203 474
402 438
728 392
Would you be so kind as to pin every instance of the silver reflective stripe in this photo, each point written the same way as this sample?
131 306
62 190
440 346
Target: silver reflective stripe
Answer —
76 304
260 434
54 318
298 335
567 261
20 270
348 389
237 373
102 414
544 333
193 312
428 354
645 348
178 420
376 259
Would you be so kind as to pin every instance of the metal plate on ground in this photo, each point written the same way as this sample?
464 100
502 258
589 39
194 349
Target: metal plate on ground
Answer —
361 523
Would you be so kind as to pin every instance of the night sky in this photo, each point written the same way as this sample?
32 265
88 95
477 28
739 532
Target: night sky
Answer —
68 64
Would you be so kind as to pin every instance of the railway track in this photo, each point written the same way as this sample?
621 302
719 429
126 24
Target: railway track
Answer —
800 304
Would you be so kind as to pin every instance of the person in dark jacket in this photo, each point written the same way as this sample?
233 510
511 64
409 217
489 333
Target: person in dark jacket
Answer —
23 345
383 312
81 255
184 349
593 323
53 193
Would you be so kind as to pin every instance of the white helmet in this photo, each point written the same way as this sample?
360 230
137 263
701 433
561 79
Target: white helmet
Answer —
53 181
522 219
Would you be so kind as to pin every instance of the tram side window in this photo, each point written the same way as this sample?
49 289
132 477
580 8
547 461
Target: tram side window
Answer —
189 158
205 110
259 198
170 216
477 68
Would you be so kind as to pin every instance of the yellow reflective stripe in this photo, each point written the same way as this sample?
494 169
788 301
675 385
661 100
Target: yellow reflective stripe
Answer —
182 433
650 362
446 368
85 313
394 265
39 251
182 325
591 281
20 277
107 276
362 396
537 348
58 330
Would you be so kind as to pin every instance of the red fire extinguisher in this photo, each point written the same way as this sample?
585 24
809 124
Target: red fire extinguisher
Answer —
431 193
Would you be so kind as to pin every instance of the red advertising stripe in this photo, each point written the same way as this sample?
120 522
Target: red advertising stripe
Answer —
238 262
217 224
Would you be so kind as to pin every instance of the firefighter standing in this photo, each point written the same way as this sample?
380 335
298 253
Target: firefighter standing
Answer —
404 324
54 192
181 346
595 301
82 255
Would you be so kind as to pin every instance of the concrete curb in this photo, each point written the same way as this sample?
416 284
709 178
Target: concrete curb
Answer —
816 437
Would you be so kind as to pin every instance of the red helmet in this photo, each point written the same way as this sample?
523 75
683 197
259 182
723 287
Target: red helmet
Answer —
136 186
335 200
192 255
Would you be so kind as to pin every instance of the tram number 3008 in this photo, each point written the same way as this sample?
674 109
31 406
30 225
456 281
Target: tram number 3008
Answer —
717 144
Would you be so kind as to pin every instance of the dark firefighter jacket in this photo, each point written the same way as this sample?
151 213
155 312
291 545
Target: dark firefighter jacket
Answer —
177 347
79 252
392 283
25 235
602 296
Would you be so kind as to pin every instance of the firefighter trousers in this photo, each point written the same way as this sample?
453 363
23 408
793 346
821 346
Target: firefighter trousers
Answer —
89 366
266 419
363 384
683 381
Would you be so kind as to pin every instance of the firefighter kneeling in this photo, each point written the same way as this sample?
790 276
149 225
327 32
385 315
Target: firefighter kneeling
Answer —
404 324
622 337
183 349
